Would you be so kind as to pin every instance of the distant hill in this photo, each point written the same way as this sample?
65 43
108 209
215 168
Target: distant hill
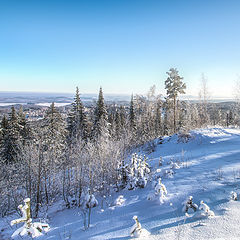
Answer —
36 98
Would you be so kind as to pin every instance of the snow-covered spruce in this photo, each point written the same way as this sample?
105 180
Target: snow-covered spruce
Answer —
29 228
189 206
234 196
161 191
204 211
137 230
138 172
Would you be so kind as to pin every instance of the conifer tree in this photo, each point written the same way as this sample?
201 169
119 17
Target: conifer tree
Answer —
4 140
132 119
101 124
11 139
158 119
174 86
54 133
78 124
122 116
25 130
117 126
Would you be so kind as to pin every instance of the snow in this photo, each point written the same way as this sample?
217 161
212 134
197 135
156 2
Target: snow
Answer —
209 171
47 104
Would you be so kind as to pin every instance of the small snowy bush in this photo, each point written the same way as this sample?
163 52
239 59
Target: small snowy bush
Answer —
90 200
137 230
161 191
137 172
174 165
160 162
189 206
184 137
204 211
29 228
234 196
119 201
169 173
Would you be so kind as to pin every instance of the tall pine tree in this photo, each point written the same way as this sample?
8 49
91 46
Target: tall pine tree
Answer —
174 86
11 139
78 124
101 124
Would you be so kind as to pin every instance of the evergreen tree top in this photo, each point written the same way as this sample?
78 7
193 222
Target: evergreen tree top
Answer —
4 123
13 115
174 84
101 110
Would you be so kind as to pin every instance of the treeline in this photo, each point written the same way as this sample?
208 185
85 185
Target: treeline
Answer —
56 158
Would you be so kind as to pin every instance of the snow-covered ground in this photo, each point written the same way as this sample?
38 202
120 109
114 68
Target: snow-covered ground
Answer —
209 170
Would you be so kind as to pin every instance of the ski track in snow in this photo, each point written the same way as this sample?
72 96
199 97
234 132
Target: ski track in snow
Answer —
207 173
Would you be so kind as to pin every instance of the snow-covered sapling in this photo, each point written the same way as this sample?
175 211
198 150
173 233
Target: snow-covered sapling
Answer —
205 210
122 175
189 205
90 202
160 163
138 172
161 190
169 173
119 201
174 165
137 230
29 228
234 196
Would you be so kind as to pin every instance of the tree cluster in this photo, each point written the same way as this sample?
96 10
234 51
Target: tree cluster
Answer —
59 158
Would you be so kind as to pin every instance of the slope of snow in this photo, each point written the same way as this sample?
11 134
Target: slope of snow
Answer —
209 171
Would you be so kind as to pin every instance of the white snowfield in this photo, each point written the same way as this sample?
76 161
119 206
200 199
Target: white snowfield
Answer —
209 171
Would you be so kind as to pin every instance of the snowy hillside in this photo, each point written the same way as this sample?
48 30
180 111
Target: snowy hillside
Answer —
209 171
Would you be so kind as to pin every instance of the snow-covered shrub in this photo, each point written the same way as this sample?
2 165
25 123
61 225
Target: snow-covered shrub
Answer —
204 211
122 175
169 173
71 202
137 230
119 201
174 165
160 162
161 191
184 137
157 174
234 196
29 228
137 172
189 206
90 200
151 196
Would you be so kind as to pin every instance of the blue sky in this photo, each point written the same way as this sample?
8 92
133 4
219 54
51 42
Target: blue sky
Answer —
124 46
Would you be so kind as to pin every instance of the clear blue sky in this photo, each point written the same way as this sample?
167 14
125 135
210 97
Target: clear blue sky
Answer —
124 46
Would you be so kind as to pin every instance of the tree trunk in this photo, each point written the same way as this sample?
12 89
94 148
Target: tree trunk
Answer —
38 182
174 114
89 215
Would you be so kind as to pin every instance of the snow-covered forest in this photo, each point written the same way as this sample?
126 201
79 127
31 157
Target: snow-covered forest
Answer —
80 162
